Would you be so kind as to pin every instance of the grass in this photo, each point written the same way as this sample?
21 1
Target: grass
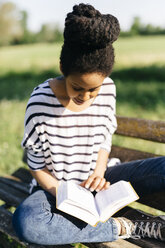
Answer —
140 50
29 58
11 113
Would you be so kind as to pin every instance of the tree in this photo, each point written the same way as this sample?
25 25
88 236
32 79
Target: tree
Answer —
46 33
10 27
50 33
136 26
58 34
28 36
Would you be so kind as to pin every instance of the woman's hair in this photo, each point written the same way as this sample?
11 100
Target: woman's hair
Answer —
88 38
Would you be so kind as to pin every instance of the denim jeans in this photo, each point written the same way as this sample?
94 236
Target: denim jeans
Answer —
38 221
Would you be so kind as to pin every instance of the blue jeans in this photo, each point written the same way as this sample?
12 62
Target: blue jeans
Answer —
38 221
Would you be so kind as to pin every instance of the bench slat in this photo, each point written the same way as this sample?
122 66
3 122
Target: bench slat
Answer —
23 174
6 224
22 187
156 200
10 195
127 154
130 243
120 243
140 128
148 243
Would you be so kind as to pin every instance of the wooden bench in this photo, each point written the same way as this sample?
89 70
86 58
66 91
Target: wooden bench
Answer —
14 188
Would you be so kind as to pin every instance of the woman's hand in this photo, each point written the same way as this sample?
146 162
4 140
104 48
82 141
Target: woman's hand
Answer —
95 183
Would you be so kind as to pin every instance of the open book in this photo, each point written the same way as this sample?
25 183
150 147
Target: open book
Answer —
81 203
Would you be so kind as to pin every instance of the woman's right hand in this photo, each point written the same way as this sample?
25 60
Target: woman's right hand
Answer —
95 183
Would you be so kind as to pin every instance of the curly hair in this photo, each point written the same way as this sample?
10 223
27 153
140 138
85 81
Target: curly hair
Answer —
88 38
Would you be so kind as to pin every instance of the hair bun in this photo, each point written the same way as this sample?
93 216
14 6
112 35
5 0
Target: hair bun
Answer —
86 10
87 27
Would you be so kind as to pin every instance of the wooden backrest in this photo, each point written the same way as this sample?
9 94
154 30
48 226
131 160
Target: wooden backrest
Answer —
141 129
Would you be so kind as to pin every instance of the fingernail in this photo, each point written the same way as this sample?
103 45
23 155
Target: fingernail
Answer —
91 189
86 186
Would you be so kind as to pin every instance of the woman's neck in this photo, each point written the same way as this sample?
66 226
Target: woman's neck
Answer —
58 87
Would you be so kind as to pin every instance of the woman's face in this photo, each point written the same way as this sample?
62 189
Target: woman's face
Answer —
82 87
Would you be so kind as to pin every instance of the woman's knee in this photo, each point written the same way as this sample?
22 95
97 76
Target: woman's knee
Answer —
21 223
32 221
160 165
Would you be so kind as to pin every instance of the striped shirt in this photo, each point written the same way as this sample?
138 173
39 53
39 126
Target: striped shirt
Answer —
68 142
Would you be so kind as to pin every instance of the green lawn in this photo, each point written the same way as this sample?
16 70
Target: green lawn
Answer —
140 51
138 74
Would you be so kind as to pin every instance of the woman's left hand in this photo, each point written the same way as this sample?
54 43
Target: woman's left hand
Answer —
95 183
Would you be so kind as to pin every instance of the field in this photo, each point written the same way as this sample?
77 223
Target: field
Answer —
139 74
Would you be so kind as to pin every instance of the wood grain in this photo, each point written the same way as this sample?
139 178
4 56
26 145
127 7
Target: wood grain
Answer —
140 128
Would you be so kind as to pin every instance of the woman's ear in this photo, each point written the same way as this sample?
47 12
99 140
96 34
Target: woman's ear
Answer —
61 67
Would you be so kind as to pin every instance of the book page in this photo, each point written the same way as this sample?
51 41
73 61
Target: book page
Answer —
111 200
73 194
61 193
73 209
83 197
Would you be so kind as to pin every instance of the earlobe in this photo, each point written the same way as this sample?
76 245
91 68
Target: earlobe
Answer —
60 65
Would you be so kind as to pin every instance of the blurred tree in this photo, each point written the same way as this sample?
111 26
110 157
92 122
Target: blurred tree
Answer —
50 33
58 34
24 20
28 36
152 30
46 33
136 26
10 26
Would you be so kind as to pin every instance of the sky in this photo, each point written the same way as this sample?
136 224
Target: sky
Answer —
54 11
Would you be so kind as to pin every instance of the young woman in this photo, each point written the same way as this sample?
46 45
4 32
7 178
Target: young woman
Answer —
69 124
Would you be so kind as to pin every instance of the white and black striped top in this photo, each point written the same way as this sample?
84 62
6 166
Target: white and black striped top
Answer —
67 142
